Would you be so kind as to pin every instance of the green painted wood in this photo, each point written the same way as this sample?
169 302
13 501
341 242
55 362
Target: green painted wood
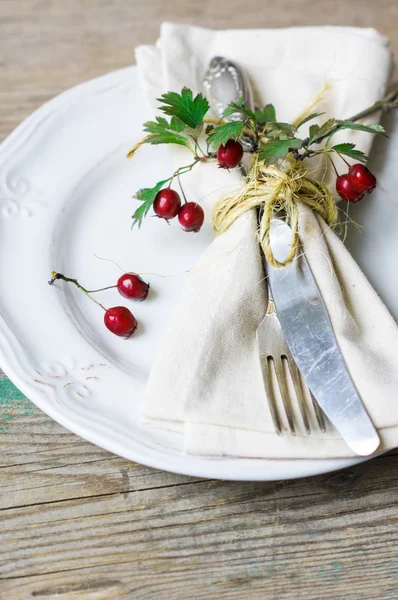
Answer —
12 404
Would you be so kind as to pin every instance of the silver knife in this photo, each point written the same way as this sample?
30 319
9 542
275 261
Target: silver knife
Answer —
313 344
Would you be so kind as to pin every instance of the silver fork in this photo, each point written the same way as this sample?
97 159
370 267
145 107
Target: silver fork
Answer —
275 357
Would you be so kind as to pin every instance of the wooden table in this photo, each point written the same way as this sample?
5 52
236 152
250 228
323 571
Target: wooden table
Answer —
80 523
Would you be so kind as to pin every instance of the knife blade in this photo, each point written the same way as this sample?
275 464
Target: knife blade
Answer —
309 334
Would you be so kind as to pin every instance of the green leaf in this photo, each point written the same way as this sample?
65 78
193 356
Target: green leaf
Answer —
313 132
167 137
185 107
266 114
309 118
209 128
278 149
372 128
232 107
176 124
349 150
163 132
220 135
280 131
147 197
317 131
239 107
159 125
194 133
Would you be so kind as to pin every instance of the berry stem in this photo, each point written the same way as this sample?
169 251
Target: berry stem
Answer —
181 188
55 276
198 146
109 287
184 169
333 165
342 158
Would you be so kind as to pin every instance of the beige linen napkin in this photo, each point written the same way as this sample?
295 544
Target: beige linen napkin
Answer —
206 381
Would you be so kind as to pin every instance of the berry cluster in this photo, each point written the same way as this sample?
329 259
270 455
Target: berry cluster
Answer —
167 204
352 186
118 319
241 131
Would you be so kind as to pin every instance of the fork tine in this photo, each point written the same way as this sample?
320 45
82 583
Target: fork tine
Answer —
281 379
320 417
294 373
270 396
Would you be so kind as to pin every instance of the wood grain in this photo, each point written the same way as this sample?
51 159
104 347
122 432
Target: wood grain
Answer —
80 523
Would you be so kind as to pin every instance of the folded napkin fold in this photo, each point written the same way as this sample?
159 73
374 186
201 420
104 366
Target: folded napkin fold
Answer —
206 381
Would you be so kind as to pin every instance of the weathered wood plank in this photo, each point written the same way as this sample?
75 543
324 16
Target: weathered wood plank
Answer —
79 522
136 532
42 462
47 46
215 539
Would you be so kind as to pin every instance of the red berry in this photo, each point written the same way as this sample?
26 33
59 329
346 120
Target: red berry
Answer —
361 179
191 216
120 321
130 285
230 155
345 189
167 204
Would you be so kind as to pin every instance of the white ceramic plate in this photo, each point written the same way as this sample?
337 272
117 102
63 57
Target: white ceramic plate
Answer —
65 194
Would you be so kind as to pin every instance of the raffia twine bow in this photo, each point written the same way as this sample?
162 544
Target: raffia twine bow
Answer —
277 192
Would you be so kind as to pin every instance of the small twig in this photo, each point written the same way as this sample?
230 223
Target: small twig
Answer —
184 169
55 276
302 155
250 123
212 121
388 103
